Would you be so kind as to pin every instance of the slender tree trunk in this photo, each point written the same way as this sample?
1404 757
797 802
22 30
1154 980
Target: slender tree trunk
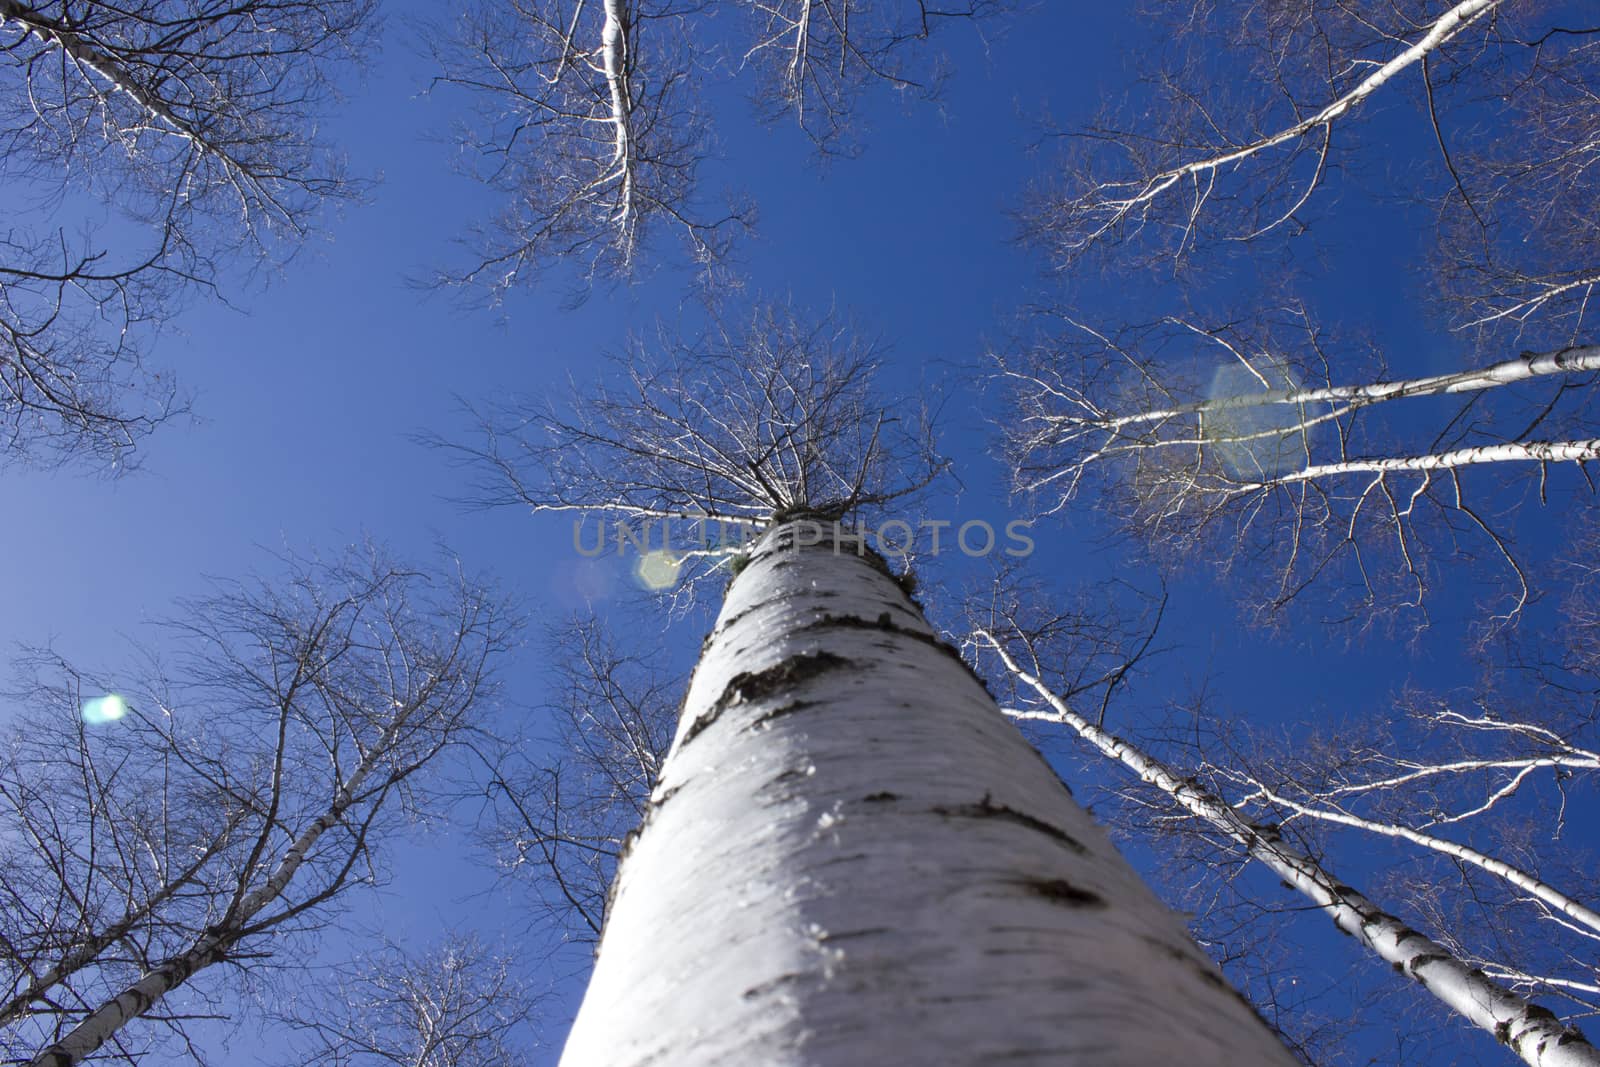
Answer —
853 858
133 1002
84 1039
614 59
1508 452
90 949
1568 906
1346 398
1532 1032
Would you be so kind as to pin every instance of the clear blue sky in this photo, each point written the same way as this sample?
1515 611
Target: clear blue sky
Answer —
306 397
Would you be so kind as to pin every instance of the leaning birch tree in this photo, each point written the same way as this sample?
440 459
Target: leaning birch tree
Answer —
1474 790
850 855
230 801
1027 643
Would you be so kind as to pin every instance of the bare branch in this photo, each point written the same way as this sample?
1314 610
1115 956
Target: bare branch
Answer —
232 801
816 57
195 122
454 1004
1302 482
772 417
1100 208
588 121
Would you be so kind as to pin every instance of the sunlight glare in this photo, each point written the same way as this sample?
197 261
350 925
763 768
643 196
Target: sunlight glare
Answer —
1255 441
658 569
101 710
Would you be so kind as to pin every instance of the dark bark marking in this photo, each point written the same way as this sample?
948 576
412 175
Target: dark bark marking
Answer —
885 622
769 986
848 934
777 713
1416 963
747 686
988 809
1063 892
791 775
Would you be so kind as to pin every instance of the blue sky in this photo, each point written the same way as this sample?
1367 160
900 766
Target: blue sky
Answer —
306 395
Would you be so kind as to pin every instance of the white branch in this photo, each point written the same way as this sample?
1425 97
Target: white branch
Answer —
1527 1029
1556 899
1508 452
1443 29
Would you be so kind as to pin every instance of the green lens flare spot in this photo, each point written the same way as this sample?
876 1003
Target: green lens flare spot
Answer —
658 570
101 710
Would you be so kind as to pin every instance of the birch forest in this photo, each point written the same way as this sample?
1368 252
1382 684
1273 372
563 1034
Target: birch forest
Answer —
801 532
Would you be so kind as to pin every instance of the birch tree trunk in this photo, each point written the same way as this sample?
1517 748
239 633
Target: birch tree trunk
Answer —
853 858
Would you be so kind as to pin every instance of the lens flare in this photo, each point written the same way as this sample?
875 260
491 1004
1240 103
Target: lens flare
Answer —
1255 441
658 570
101 710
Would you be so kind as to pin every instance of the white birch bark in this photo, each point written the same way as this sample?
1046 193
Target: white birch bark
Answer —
91 947
614 59
853 858
1586 451
105 65
1523 309
1541 890
87 57
1346 398
1531 1031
